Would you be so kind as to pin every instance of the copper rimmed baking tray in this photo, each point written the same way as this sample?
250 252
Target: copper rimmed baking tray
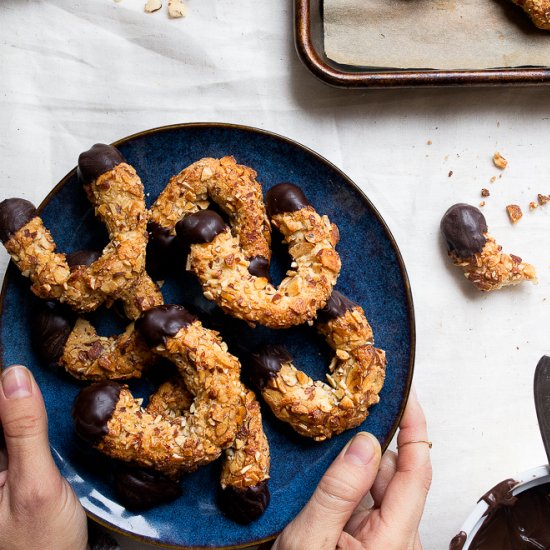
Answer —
309 43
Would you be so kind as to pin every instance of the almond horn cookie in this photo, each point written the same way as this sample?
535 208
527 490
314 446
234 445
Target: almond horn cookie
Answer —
471 247
111 419
313 408
244 494
60 337
538 11
116 192
234 188
217 259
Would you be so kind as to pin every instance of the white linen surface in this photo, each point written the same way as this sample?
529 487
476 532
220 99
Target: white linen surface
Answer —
76 72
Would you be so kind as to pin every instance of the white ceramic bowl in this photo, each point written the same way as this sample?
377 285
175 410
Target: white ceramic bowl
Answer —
527 480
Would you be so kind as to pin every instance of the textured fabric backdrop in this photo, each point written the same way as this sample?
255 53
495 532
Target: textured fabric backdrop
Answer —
76 72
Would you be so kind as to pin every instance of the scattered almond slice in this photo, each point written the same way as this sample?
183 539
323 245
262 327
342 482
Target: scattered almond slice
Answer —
176 8
152 6
514 213
499 161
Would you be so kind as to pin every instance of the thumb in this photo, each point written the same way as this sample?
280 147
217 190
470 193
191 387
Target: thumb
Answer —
340 490
25 426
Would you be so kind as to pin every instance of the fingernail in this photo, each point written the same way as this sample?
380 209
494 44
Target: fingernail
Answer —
16 382
361 450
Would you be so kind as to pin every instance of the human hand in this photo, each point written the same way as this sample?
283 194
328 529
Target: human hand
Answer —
38 508
337 515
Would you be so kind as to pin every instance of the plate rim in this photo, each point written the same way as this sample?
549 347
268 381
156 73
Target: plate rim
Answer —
10 270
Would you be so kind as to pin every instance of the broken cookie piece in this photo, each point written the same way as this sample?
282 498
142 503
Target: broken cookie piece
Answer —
472 248
514 213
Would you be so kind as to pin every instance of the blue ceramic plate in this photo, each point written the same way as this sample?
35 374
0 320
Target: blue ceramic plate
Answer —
373 274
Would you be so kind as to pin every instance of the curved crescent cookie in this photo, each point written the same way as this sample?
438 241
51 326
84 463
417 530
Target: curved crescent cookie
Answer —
218 261
116 191
475 251
313 408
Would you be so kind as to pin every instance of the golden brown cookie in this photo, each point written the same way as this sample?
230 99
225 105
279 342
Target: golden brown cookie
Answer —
223 270
476 252
313 408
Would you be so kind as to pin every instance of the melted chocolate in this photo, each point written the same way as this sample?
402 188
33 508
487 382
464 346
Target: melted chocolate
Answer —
161 322
500 495
83 257
14 214
96 161
336 306
139 489
266 362
51 325
200 227
245 505
464 228
458 541
259 267
285 197
93 408
518 522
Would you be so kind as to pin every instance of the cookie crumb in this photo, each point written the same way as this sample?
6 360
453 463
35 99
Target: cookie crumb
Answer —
533 205
482 204
514 213
543 199
493 179
499 161
429 142
485 192
450 173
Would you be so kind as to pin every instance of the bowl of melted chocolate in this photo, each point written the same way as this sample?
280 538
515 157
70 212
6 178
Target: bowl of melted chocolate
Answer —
513 515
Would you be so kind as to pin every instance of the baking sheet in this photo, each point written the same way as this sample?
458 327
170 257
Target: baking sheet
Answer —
436 34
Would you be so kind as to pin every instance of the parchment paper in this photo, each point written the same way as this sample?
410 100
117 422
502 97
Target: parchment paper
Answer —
437 34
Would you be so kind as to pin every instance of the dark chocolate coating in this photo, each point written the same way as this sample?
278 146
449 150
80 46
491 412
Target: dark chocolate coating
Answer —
336 306
139 489
51 325
161 322
464 228
200 227
259 267
160 251
245 505
93 408
3 452
14 214
515 523
285 197
96 161
83 257
458 541
266 362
